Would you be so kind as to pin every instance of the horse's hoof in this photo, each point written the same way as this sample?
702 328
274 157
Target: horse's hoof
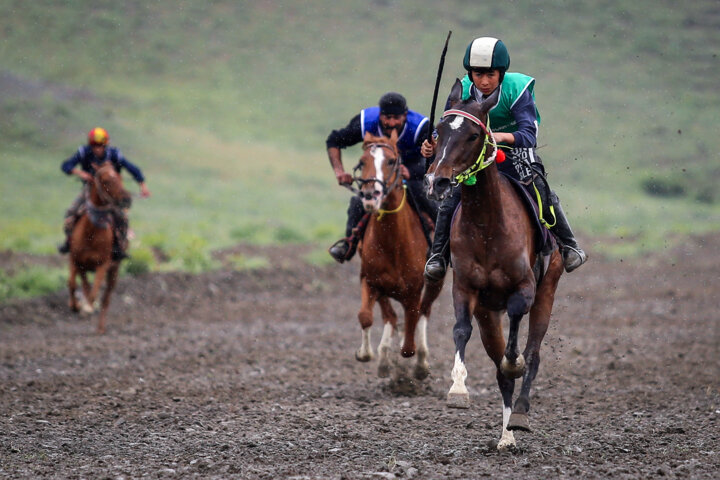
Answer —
365 357
519 421
458 400
513 371
421 372
384 370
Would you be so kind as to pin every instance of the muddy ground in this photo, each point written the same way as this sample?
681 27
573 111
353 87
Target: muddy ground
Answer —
252 375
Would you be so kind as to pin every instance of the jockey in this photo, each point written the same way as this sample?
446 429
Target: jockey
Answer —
98 152
514 122
391 114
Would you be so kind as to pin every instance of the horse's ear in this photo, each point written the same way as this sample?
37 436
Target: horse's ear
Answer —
490 101
455 93
393 136
368 138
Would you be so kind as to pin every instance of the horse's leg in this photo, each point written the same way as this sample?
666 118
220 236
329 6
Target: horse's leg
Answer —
112 275
386 342
365 316
491 333
430 293
72 285
86 306
100 275
458 396
539 321
518 304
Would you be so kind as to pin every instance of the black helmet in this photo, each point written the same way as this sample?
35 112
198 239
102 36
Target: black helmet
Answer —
392 103
486 52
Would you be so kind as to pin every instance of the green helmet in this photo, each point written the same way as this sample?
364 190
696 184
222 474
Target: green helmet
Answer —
486 52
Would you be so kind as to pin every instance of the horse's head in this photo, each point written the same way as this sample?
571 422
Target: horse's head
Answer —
108 187
463 142
379 170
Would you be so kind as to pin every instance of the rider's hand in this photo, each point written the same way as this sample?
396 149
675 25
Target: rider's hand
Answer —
344 178
144 191
427 149
404 172
85 176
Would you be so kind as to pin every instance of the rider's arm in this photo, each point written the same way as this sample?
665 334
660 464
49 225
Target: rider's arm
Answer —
339 139
131 167
73 166
527 129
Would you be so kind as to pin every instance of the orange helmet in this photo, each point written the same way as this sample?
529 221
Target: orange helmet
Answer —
98 136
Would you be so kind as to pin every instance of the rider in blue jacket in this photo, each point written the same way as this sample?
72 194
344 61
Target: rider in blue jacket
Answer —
514 121
97 151
391 114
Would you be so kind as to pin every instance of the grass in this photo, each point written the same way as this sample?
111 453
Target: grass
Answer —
226 106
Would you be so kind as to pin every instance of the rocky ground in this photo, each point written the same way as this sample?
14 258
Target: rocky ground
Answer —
252 375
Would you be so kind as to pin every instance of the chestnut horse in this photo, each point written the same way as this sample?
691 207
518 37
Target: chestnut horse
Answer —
493 254
91 241
393 253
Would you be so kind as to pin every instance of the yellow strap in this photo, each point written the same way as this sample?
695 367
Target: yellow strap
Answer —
382 212
540 208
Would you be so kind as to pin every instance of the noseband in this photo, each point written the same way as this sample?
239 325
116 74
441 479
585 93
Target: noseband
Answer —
468 176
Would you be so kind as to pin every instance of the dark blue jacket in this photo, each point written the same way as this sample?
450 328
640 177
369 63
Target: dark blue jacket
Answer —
409 140
84 157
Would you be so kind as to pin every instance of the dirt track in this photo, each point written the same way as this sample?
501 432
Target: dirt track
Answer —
252 375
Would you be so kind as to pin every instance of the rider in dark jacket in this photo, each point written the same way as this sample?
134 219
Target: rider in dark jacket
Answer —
97 151
391 114
514 121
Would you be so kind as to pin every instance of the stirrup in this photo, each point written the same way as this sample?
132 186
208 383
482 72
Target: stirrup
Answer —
573 257
435 267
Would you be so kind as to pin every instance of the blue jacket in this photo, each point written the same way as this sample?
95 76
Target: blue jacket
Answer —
409 140
85 157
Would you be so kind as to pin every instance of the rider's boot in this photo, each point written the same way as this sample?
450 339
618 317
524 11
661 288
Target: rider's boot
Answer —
439 259
573 255
343 250
339 250
64 247
68 225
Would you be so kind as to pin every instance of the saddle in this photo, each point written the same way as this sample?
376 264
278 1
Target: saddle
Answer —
545 243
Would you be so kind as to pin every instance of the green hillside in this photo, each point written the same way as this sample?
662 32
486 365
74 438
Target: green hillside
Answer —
226 107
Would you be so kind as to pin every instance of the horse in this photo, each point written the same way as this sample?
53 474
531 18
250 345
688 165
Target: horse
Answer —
393 252
91 241
493 254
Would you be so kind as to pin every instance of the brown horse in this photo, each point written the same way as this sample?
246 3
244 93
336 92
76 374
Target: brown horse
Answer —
493 255
91 241
393 253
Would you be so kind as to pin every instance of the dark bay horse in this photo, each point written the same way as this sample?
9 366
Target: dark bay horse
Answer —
91 241
393 253
493 254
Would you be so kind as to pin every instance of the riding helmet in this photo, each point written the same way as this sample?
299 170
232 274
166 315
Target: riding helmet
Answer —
98 136
487 52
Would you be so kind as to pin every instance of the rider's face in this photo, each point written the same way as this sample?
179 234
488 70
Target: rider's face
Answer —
388 123
98 151
486 81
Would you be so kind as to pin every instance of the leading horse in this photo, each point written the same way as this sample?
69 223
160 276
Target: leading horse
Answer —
393 253
493 255
91 241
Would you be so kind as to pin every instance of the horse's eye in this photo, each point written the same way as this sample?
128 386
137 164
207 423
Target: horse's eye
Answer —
391 163
473 137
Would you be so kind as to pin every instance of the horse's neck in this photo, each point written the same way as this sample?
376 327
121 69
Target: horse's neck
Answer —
392 217
483 203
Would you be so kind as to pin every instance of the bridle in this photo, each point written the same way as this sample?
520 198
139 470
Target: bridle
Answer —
386 188
467 176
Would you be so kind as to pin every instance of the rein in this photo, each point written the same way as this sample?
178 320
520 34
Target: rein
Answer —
382 213
468 176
